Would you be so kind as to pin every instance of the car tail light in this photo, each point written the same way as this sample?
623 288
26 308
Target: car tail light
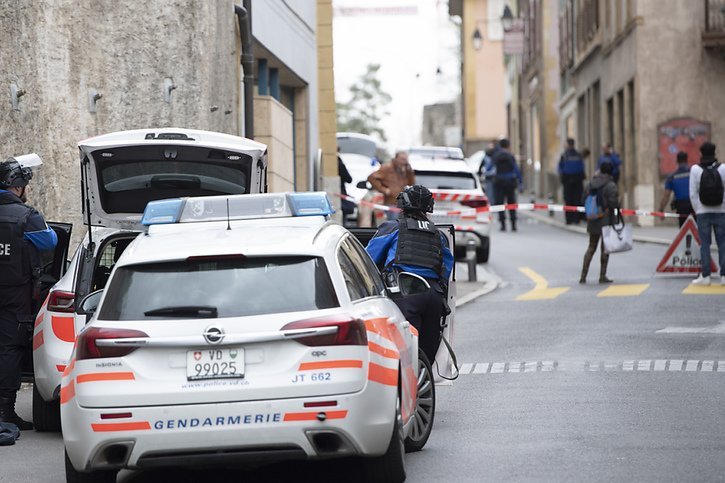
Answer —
87 348
349 331
477 203
61 301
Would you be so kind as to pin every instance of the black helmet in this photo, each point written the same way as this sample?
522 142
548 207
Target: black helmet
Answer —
13 175
416 198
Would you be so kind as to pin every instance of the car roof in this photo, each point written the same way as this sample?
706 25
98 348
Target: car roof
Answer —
421 163
437 151
308 235
196 137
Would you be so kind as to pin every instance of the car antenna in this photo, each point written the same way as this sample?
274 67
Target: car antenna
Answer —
229 226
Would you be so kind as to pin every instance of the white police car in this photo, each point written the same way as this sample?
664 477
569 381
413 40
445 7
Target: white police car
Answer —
238 328
121 173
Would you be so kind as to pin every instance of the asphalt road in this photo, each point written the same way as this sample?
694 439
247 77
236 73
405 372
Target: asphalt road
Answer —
560 381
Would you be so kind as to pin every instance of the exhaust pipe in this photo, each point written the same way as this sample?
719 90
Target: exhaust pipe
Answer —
330 443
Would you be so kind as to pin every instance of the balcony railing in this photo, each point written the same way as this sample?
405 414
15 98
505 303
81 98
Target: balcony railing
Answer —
714 34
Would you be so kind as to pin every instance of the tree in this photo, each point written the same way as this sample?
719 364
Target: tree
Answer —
365 109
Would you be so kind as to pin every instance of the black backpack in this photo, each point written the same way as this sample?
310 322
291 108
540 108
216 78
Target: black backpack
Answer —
711 188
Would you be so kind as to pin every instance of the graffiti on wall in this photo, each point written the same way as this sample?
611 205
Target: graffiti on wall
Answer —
682 134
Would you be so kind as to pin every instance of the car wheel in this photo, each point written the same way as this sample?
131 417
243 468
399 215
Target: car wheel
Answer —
390 467
425 407
46 415
483 251
99 476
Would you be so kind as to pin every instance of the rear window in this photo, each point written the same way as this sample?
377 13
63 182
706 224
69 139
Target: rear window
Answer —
442 180
131 177
234 287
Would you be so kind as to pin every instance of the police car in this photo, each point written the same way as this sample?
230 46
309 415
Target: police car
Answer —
121 173
242 328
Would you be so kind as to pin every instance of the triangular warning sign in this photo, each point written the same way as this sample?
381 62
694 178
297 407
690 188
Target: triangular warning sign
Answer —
683 255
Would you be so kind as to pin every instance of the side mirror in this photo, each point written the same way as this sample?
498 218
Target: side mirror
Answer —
89 303
364 185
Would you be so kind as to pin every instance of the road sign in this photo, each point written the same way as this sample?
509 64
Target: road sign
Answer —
683 255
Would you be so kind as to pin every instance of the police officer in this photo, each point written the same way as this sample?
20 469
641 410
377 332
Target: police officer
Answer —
413 244
23 235
505 181
571 172
679 184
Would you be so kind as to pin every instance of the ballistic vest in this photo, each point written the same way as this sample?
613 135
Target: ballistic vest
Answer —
15 252
419 244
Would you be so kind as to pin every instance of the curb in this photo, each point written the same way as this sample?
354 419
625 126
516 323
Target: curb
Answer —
491 283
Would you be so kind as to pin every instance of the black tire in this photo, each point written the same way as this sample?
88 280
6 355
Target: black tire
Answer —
425 407
483 251
46 415
390 467
99 476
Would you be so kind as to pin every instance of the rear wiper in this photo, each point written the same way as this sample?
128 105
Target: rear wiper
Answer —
204 311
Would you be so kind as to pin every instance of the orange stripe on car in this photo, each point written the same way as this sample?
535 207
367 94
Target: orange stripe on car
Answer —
382 351
413 330
39 319
110 427
69 367
67 392
312 416
382 375
105 376
38 340
63 328
311 366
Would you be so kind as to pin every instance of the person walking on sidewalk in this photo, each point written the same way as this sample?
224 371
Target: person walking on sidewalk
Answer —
505 182
679 184
571 172
605 189
608 155
391 178
707 180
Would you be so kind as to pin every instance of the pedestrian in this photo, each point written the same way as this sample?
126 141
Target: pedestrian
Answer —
706 195
413 244
679 184
391 178
571 173
609 155
347 206
603 187
23 235
506 181
487 170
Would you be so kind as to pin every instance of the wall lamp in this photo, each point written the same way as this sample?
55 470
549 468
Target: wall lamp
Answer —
507 21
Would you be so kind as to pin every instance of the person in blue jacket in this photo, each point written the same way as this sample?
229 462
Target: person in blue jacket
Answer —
679 184
23 235
571 172
413 244
610 156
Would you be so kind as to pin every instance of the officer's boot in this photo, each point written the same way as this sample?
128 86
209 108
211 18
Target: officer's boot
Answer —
8 415
513 224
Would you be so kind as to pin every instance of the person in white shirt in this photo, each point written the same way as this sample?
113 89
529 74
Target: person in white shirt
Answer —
710 209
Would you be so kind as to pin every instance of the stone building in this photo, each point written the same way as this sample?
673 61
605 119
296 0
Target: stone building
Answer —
160 63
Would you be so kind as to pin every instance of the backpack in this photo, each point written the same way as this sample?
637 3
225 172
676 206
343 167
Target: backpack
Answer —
593 206
711 188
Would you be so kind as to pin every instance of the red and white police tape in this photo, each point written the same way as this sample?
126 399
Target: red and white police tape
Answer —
473 213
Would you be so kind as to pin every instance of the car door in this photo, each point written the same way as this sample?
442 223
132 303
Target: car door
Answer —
54 264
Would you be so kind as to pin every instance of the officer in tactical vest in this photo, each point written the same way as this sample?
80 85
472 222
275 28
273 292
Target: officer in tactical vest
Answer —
23 235
413 244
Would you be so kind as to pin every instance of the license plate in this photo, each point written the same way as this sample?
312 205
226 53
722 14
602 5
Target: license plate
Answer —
222 363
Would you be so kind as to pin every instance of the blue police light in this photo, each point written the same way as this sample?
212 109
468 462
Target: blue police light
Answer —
310 204
162 212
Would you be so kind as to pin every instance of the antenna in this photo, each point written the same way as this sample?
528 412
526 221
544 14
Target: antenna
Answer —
229 226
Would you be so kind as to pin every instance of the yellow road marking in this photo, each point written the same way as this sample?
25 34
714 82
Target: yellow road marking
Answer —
630 290
704 290
541 289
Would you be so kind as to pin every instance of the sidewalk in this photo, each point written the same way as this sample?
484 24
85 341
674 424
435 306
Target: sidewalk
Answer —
466 291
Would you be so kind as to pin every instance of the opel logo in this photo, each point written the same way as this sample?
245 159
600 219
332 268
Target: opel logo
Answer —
213 334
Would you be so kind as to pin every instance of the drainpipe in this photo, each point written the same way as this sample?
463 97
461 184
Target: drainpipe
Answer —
245 31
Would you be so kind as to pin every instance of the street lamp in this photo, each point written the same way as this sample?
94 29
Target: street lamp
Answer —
477 39
507 19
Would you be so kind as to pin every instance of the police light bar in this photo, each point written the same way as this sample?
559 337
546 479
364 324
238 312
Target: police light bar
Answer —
236 207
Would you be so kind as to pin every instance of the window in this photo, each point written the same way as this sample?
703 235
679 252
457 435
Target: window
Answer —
235 287
361 261
353 281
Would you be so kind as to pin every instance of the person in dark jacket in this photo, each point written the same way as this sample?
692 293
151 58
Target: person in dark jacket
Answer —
603 183
679 184
23 235
609 155
413 244
506 181
571 172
